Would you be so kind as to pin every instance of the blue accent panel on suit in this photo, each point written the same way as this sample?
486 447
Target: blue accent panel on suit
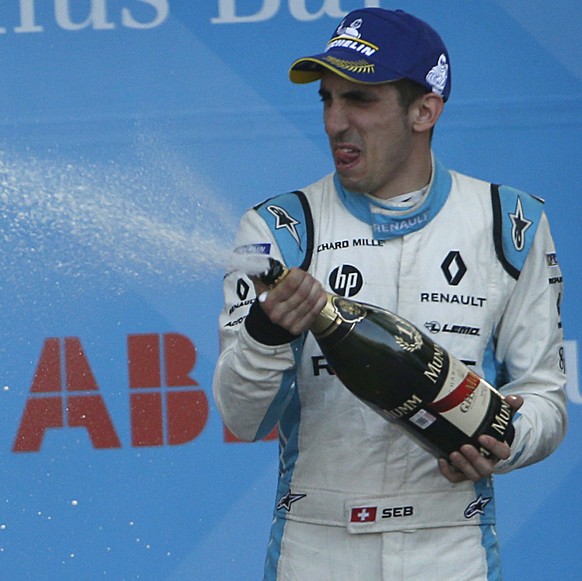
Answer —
490 369
484 490
286 217
289 427
520 215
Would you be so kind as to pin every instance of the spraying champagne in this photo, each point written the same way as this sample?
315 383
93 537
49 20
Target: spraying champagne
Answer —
407 378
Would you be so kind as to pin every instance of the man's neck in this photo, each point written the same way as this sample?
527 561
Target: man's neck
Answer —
416 178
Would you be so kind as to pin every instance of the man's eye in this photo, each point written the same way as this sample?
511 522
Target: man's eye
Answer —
360 98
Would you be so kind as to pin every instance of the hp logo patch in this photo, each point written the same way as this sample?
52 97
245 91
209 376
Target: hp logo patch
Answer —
346 280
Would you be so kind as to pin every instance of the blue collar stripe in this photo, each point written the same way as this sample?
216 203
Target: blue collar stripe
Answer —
388 223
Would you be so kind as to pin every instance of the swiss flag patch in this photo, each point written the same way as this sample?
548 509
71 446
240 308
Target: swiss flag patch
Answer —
362 514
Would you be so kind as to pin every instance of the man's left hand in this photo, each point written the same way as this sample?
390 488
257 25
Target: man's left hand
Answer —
468 464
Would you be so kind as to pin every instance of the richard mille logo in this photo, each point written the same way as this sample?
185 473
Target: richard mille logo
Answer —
285 220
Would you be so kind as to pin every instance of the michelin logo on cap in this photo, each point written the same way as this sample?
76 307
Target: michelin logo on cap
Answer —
348 37
437 76
351 30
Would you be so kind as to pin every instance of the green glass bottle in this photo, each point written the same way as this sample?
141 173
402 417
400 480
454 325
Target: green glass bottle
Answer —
405 376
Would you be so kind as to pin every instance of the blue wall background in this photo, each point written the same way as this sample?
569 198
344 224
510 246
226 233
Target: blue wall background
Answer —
133 134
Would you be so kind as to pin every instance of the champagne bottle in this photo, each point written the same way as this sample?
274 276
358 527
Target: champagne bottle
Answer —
405 376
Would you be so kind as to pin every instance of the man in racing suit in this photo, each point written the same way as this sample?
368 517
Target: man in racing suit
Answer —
471 263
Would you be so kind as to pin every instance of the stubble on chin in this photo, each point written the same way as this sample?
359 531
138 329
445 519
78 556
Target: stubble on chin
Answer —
351 184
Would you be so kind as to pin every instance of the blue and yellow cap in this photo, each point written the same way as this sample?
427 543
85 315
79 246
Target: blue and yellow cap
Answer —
374 45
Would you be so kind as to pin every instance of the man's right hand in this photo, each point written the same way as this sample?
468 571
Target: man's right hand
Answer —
293 303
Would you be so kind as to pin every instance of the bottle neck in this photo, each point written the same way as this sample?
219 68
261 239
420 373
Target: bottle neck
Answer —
327 321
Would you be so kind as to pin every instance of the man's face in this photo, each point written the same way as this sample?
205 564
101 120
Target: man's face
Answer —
370 136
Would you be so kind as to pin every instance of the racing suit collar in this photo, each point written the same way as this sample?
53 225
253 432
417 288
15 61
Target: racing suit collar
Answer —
391 222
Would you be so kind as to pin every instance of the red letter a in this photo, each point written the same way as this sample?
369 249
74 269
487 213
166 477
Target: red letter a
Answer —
46 407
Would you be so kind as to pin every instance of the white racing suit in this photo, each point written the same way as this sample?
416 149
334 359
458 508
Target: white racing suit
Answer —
474 266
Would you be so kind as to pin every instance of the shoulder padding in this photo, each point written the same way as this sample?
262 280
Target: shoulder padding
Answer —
289 218
516 216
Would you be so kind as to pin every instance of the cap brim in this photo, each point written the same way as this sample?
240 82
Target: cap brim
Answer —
309 69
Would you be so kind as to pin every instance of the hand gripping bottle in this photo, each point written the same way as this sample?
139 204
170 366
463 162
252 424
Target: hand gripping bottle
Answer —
407 378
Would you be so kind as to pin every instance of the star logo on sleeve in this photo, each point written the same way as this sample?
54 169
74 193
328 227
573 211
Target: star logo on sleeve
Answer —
519 224
477 506
288 499
285 220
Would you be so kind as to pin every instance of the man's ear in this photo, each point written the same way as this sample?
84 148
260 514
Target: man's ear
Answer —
425 112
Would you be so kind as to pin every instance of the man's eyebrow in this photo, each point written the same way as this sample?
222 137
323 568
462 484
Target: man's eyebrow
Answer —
348 94
358 93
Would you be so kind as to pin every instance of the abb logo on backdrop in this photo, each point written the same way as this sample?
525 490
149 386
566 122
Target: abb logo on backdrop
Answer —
165 405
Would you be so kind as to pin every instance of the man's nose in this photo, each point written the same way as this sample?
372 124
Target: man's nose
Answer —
335 119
